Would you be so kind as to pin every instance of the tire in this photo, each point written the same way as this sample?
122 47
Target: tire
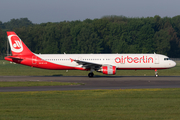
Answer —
90 75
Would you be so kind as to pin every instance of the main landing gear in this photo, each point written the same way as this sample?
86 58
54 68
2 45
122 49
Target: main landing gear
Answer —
156 73
91 74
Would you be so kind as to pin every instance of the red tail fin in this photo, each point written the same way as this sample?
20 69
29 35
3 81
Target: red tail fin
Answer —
17 46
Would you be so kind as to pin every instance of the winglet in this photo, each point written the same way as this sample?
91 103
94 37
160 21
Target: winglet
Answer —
71 59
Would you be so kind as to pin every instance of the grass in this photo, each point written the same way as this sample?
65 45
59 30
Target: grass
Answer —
11 69
34 83
128 104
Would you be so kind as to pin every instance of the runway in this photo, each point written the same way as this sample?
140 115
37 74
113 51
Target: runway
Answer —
97 82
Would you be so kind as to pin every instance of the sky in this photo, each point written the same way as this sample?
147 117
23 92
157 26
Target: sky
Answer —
42 11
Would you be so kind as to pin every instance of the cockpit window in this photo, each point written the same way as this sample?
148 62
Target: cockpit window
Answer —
166 59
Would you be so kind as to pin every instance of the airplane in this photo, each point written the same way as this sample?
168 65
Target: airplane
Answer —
105 63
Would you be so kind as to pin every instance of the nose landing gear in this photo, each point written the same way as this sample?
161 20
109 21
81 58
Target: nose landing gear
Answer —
156 73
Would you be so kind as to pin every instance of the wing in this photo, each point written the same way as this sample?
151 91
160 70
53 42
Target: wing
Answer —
87 64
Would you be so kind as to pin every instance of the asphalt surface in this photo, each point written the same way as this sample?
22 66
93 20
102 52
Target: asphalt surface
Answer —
97 82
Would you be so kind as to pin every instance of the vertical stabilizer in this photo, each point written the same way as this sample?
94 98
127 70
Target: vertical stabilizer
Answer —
17 46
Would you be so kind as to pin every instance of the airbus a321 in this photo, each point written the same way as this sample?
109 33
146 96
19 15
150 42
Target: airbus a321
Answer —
105 63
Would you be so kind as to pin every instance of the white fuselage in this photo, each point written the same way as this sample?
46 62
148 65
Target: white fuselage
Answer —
121 61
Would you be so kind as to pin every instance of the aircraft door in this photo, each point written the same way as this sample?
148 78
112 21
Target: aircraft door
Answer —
156 59
34 60
79 58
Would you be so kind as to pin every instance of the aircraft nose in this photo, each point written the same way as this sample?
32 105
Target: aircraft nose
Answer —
173 63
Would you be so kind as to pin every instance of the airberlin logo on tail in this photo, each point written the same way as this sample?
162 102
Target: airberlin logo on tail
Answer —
15 43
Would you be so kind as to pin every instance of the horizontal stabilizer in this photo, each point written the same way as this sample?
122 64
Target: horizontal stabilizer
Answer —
13 59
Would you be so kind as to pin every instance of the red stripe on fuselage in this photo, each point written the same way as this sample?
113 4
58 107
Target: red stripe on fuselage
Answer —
140 68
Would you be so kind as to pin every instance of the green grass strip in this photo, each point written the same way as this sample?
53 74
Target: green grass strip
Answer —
128 104
34 83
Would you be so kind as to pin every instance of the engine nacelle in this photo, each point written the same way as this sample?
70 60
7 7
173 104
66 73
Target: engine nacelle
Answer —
108 70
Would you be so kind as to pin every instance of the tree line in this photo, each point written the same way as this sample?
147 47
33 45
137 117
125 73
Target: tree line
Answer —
110 34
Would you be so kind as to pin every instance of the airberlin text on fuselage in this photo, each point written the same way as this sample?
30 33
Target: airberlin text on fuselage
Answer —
143 59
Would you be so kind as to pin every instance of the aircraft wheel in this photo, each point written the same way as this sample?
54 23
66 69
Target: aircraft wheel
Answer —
90 75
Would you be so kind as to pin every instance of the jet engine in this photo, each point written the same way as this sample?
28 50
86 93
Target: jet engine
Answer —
108 70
